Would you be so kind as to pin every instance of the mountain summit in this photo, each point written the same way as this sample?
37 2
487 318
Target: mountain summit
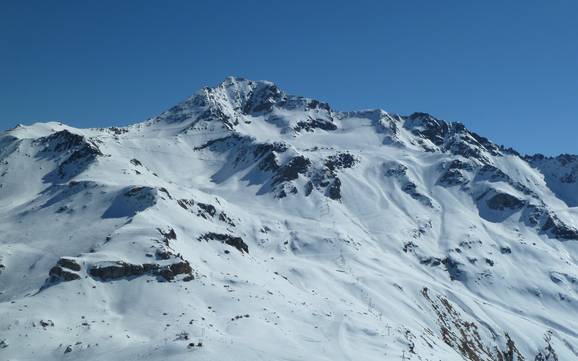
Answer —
246 223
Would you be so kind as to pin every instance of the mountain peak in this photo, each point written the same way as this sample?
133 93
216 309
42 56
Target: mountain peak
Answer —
238 100
244 208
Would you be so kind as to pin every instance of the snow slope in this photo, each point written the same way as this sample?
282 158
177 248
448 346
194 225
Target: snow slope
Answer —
248 224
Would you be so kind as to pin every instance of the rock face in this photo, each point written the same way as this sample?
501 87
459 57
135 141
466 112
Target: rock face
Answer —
110 271
236 242
501 201
66 270
408 237
73 152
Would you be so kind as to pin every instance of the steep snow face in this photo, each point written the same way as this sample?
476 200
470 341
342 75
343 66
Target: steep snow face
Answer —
561 174
246 223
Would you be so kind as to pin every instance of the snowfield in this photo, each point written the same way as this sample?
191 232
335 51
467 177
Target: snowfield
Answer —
248 224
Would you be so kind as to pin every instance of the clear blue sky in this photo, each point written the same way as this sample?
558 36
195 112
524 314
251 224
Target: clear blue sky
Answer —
507 69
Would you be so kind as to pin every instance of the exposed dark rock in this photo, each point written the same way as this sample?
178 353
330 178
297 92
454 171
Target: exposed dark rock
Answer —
111 271
46 323
450 137
223 217
453 269
559 229
411 189
424 125
165 191
334 189
61 141
74 152
340 161
549 223
205 211
185 203
171 271
220 143
65 270
170 234
119 269
431 261
312 124
182 336
136 162
409 247
68 263
460 164
57 272
268 163
291 170
262 98
163 254
398 170
505 250
493 174
548 353
213 113
232 241
453 173
207 208
464 336
501 201
118 131
452 177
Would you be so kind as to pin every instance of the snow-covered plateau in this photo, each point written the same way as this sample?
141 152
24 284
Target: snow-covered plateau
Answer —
248 224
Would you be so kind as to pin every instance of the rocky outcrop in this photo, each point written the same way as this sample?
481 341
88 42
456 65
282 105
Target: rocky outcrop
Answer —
449 137
290 171
311 124
465 336
110 271
205 210
73 152
502 201
236 242
65 270
340 160
399 172
454 173
548 222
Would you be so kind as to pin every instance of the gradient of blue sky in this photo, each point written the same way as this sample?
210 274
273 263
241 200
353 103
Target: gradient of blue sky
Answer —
507 69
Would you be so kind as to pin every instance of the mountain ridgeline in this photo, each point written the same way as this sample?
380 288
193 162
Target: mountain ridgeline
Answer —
246 223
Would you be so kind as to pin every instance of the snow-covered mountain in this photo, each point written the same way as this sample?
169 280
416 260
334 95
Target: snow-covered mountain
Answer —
248 224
